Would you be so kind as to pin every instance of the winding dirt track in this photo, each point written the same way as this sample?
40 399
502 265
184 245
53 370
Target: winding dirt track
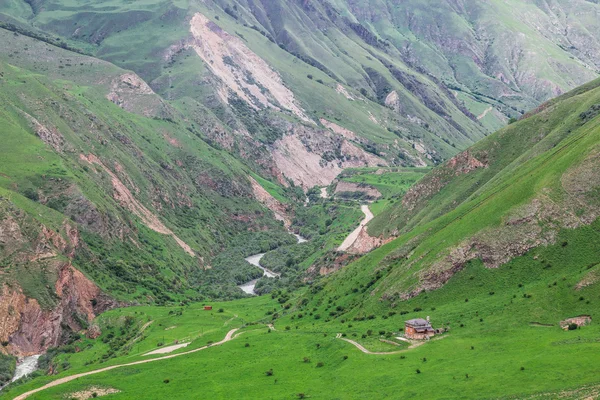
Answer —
364 350
228 337
351 238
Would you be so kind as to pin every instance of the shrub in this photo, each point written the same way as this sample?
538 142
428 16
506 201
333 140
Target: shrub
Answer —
221 310
573 327
269 372
522 368
166 381
301 395
345 357
320 364
306 360
418 371
309 76
247 345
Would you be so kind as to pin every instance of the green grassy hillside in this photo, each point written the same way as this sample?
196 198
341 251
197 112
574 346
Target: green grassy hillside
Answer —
414 82
500 265
70 154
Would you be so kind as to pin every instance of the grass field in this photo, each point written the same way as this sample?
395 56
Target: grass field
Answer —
497 347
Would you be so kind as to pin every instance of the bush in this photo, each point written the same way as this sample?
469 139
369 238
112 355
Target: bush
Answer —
269 372
320 364
247 345
166 381
306 360
418 371
573 327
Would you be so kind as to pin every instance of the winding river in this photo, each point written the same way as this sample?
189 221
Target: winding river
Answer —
248 287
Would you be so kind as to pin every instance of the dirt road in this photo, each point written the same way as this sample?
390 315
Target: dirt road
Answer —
483 114
66 379
349 241
364 350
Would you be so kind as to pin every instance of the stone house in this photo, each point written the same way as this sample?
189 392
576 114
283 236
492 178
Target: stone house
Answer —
418 328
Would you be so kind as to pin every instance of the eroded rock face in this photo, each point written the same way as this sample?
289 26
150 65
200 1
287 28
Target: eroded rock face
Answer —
240 69
132 93
315 157
279 210
364 243
126 198
367 190
462 163
29 329
25 325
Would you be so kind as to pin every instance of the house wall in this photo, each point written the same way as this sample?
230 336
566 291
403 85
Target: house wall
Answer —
411 333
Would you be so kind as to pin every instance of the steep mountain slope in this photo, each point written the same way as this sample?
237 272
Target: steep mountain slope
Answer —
517 190
498 246
105 188
305 89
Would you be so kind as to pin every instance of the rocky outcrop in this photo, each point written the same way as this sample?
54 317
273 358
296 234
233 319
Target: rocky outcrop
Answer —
460 164
364 243
27 325
312 157
581 320
240 70
329 264
29 329
350 187
279 210
133 94
532 225
124 196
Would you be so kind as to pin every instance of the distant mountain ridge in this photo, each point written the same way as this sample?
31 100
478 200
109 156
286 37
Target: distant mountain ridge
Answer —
414 82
